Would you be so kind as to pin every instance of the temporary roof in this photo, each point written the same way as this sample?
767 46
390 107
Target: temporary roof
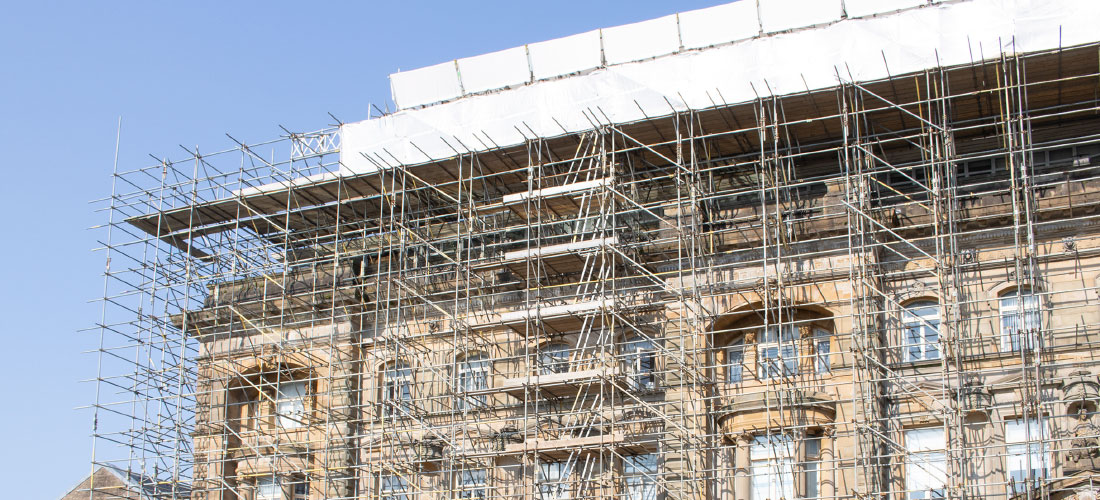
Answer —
693 60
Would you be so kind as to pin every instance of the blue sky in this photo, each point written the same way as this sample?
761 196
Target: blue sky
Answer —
178 74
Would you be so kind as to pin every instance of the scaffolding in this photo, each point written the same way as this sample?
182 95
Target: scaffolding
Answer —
883 289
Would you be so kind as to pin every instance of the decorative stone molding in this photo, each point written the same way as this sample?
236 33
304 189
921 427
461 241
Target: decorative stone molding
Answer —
773 410
1081 390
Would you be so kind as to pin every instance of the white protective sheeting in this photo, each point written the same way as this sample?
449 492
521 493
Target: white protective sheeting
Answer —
495 70
425 85
909 40
721 24
565 56
782 15
634 42
859 8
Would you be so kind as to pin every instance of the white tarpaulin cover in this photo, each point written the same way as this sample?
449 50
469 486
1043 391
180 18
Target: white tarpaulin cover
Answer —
721 24
634 42
909 35
494 70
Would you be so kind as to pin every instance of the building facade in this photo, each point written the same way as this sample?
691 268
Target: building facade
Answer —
879 288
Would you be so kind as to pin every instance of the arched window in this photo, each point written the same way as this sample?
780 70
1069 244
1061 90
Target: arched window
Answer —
777 351
473 377
640 362
554 358
396 388
921 330
1020 319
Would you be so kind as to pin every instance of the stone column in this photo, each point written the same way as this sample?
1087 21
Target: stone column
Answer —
742 476
826 466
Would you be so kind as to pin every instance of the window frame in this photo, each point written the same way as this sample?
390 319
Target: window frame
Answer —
299 482
929 457
554 358
920 320
476 489
772 471
1029 315
1031 449
291 411
392 487
639 359
397 384
823 362
272 482
557 486
735 361
472 374
639 476
784 363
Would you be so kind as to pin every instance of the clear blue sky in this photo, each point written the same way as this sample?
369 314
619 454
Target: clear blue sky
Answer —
178 74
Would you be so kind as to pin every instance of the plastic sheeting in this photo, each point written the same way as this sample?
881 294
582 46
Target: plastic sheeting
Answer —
620 45
634 42
495 70
782 15
794 61
426 85
857 8
721 24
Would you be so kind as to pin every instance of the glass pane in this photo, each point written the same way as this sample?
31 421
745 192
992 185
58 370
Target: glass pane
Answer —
772 467
1027 455
735 359
554 480
471 484
640 475
639 359
554 358
268 488
926 465
290 404
394 488
822 349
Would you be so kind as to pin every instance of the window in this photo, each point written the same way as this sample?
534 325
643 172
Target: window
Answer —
1020 319
1027 451
473 376
300 490
290 404
921 331
396 388
393 488
926 464
822 344
640 358
554 480
813 455
554 358
269 488
772 467
777 351
640 477
471 485
735 361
